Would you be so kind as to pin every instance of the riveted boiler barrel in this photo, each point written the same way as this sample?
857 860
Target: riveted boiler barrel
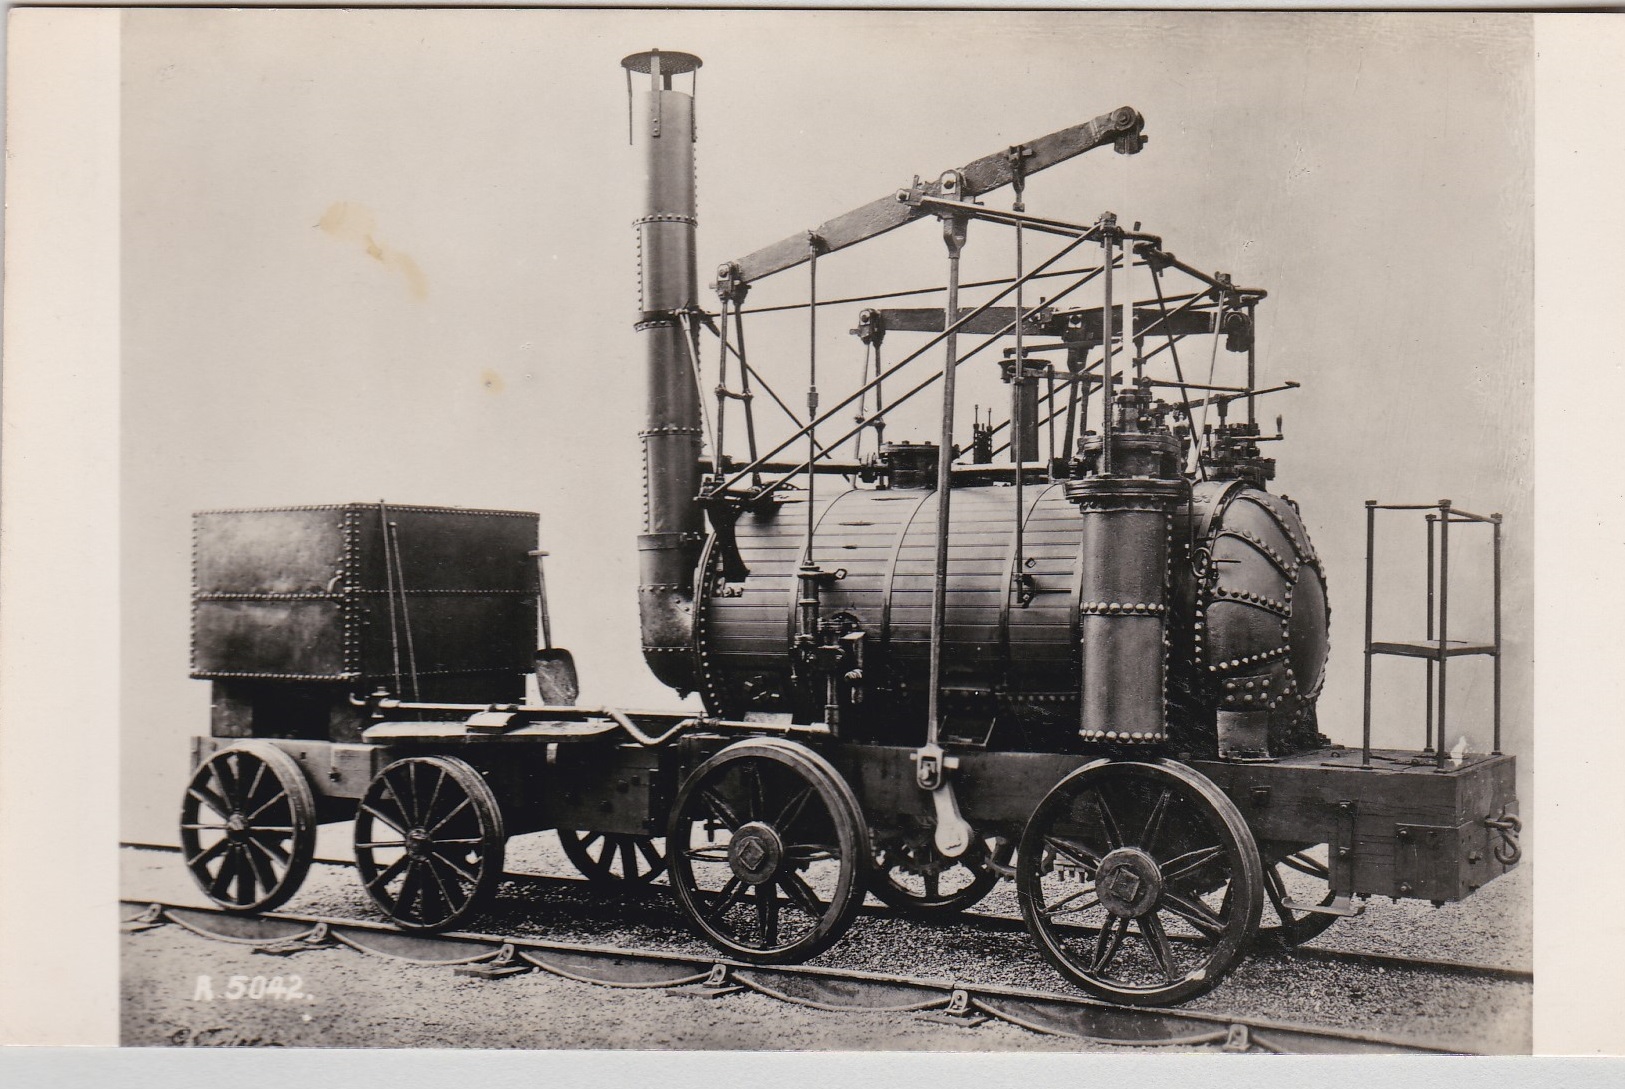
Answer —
1023 647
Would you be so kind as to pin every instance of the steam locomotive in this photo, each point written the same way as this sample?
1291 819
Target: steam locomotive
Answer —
1091 667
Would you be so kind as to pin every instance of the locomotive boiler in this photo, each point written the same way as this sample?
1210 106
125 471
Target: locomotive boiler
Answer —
1090 665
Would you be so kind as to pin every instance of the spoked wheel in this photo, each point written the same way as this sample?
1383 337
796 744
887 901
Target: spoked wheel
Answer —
612 858
1140 881
1296 874
429 841
248 827
913 878
767 851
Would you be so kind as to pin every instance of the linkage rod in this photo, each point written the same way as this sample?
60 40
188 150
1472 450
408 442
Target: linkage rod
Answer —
847 401
932 291
919 388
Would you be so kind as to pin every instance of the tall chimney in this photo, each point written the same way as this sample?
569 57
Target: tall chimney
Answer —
662 127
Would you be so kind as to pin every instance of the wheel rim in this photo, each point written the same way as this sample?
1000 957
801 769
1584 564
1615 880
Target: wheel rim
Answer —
767 851
611 857
429 842
912 877
1299 874
1140 882
248 827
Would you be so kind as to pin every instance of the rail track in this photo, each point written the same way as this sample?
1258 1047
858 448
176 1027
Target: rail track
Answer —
1011 924
845 989
494 956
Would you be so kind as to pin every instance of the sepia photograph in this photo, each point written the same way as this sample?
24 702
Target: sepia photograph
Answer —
825 531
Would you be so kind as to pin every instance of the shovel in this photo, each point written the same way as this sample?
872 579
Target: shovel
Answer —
556 680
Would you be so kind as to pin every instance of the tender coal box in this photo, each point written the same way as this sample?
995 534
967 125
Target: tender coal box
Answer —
296 608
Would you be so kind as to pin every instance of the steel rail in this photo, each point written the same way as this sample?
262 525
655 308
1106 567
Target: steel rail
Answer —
845 990
997 924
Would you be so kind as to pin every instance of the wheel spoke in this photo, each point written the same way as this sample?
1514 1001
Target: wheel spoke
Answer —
1157 938
767 913
225 773
756 794
388 874
1306 865
434 797
431 899
1060 908
1114 837
271 846
1189 862
203 828
721 810
452 894
1277 894
210 799
1077 852
398 826
1108 942
707 854
404 786
733 892
1195 912
458 870
262 863
278 796
1153 824
647 848
456 809
792 812
245 877
933 885
253 787
210 853
382 843
802 895
227 873
629 859
411 888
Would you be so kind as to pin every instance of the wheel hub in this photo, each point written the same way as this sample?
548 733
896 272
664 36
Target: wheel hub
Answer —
236 826
1128 882
417 842
755 853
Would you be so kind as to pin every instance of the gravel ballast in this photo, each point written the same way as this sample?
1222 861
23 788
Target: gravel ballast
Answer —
1472 1013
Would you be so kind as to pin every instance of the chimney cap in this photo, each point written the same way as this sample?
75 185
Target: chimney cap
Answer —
671 64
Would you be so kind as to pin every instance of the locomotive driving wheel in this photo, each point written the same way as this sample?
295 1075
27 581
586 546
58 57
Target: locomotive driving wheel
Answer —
1140 881
612 858
429 842
248 827
1296 874
913 878
767 850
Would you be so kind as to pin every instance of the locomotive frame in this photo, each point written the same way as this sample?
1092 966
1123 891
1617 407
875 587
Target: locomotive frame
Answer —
1178 851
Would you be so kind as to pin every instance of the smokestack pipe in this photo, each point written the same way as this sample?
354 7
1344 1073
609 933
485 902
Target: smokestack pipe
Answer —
662 124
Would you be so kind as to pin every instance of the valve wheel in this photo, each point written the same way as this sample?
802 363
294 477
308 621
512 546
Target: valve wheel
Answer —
768 851
429 842
912 878
612 857
248 827
1140 882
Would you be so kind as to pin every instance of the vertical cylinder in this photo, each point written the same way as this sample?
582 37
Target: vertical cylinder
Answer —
663 133
1123 589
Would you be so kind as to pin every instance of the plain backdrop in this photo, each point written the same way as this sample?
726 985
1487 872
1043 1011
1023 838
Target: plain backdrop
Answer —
388 255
